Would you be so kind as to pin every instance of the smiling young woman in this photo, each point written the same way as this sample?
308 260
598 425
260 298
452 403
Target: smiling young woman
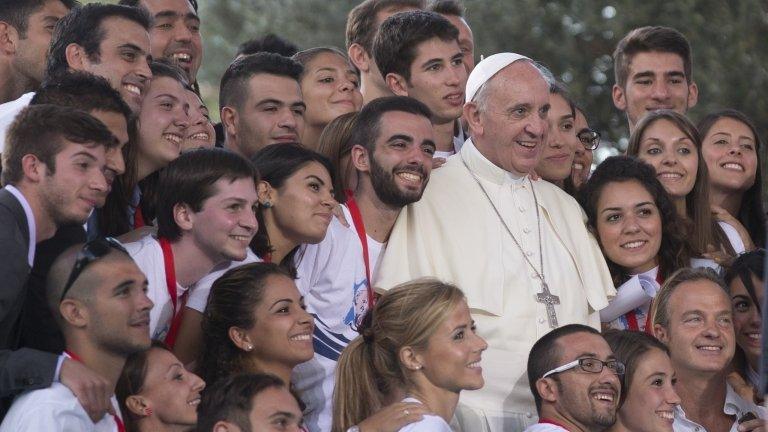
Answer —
639 232
670 143
419 345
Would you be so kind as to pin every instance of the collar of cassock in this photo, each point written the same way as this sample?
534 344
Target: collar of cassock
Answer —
486 170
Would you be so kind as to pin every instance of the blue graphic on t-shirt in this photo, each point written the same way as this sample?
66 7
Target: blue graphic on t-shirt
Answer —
360 306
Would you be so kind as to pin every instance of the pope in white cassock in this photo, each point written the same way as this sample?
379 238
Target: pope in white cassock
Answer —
518 248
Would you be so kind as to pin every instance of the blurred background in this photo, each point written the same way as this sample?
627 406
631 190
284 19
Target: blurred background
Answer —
575 39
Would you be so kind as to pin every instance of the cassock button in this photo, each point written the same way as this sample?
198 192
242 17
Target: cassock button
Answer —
521 208
529 415
541 320
526 230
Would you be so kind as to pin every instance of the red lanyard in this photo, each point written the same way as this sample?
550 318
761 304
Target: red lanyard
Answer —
138 217
118 420
357 219
632 316
170 282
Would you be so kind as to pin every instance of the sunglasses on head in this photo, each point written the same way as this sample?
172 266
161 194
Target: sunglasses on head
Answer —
90 252
589 138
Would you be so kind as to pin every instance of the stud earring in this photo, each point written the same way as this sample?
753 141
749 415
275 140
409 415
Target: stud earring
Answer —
266 204
248 347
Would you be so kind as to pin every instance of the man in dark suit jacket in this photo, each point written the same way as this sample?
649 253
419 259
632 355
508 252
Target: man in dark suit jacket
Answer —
53 173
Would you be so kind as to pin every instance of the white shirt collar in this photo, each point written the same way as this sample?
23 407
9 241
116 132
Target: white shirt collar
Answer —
30 222
485 169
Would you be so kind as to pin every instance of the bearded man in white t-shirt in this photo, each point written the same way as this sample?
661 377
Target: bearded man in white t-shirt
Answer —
97 295
393 143
205 217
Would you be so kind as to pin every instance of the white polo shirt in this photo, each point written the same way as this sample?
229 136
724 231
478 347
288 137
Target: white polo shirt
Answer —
734 406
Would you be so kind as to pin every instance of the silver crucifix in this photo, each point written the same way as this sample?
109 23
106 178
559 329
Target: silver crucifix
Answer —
549 300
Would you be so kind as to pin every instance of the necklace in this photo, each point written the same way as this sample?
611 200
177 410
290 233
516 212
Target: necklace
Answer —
545 297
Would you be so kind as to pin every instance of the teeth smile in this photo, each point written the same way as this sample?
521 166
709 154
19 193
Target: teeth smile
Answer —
181 57
202 136
578 166
603 396
172 138
710 348
633 245
733 166
409 176
132 88
240 237
755 336
666 415
303 337
527 144
670 175
474 365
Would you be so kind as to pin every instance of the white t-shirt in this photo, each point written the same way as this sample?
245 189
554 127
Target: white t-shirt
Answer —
430 423
8 113
332 279
54 409
545 427
149 257
198 297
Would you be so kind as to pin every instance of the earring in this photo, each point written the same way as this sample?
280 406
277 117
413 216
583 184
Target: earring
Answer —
266 204
148 411
248 347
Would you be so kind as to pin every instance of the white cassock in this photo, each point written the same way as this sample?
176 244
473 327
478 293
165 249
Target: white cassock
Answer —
454 234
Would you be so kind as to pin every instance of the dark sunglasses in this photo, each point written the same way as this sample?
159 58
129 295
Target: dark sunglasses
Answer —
90 252
590 138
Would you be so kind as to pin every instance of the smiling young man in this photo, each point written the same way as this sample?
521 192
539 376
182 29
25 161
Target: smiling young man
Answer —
694 319
418 54
261 103
175 33
26 27
110 41
392 147
208 219
99 298
53 175
575 380
653 70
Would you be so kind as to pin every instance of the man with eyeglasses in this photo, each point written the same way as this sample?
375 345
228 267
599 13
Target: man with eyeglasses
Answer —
53 175
575 381
99 299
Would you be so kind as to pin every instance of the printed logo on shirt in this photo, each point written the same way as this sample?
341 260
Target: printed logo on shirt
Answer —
359 308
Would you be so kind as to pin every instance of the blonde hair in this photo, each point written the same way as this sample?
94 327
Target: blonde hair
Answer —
369 368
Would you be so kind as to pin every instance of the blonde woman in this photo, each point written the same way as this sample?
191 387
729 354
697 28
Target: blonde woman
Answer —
418 344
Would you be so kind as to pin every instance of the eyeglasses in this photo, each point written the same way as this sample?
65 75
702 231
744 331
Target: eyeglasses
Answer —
590 138
591 365
90 252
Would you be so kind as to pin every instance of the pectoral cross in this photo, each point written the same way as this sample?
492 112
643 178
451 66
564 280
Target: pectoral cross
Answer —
549 300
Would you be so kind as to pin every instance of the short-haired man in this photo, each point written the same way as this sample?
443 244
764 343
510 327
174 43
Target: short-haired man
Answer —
363 22
419 56
653 70
98 296
575 380
248 403
53 175
518 248
175 33
269 43
694 318
392 147
454 12
26 27
110 41
95 96
207 220
261 103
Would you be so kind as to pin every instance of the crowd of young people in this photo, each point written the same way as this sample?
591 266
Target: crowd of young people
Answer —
374 239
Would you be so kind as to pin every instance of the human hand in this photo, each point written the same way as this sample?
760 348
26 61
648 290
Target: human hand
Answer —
754 425
742 388
91 390
437 162
722 215
393 417
339 213
718 256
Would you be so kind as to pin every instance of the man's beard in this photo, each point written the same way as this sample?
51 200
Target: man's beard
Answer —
387 190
